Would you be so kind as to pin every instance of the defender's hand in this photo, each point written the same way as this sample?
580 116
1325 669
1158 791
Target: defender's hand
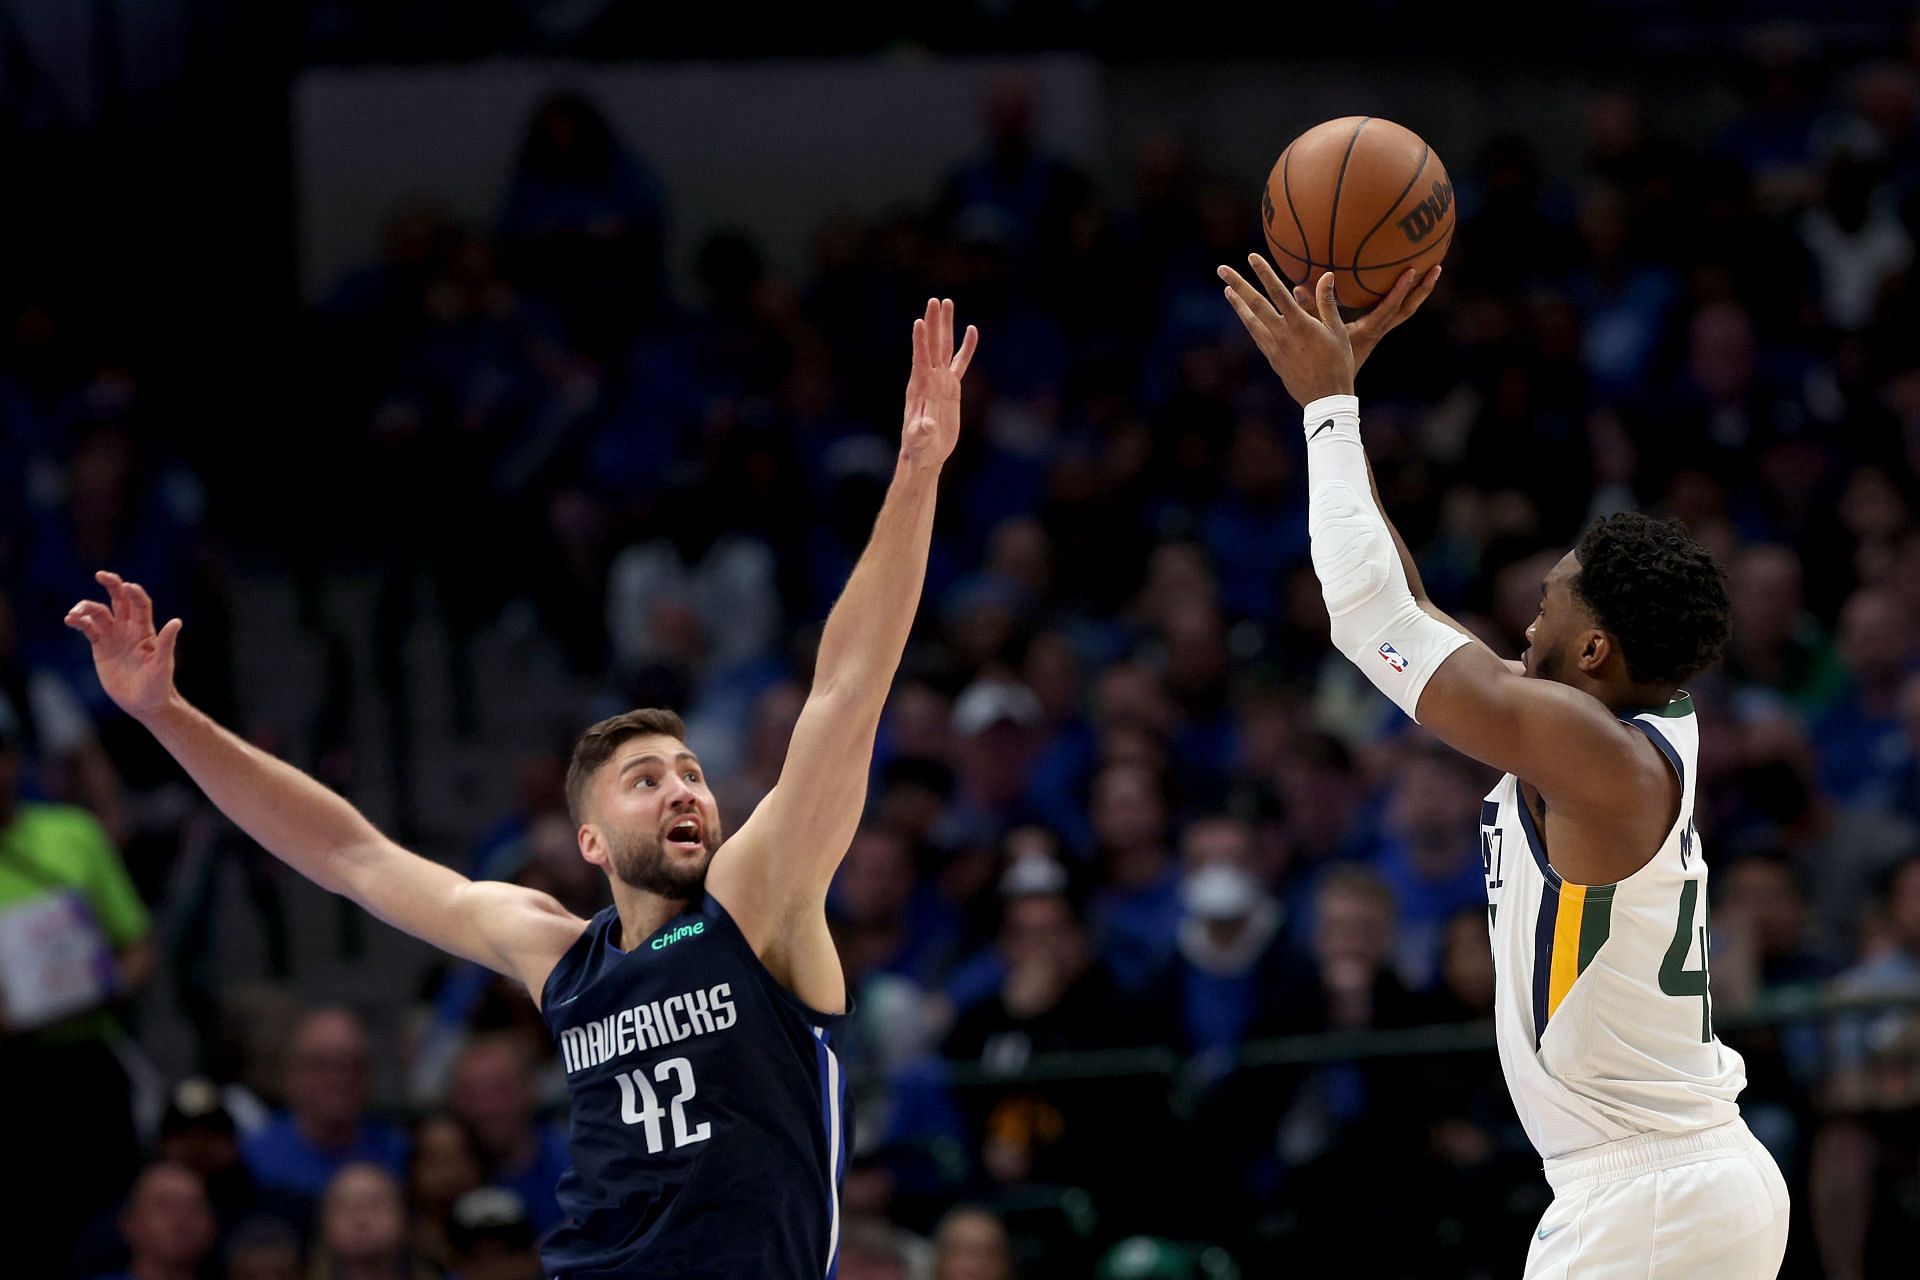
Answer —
931 425
135 664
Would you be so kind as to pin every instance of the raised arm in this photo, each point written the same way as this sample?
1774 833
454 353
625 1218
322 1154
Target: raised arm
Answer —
774 872
513 930
1563 741
1408 293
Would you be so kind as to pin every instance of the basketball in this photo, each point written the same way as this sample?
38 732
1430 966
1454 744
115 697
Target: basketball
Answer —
1362 197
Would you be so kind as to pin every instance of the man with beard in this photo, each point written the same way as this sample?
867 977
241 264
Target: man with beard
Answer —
695 1016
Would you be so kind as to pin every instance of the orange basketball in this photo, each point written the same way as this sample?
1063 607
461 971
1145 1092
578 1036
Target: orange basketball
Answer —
1359 196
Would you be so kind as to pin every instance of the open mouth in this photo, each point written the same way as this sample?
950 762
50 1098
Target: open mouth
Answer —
684 833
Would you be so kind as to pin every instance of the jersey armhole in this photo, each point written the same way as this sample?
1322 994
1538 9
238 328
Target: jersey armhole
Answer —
567 968
813 1016
1667 749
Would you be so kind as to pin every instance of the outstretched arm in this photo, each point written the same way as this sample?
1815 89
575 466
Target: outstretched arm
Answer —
513 930
775 870
1563 741
1411 290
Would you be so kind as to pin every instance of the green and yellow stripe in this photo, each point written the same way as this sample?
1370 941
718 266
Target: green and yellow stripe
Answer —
1574 922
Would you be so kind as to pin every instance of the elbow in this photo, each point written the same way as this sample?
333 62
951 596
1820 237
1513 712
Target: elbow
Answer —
1347 636
847 695
349 870
840 717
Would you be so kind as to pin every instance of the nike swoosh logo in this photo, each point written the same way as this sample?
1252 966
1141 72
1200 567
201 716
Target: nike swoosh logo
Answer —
1322 427
1544 1232
564 1003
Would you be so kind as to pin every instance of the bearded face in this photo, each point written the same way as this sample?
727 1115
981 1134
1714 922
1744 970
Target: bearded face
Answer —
656 819
672 864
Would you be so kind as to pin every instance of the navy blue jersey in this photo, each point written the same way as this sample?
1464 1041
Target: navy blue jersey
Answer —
709 1110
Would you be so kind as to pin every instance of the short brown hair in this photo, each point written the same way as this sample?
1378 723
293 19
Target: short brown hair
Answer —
1360 882
597 745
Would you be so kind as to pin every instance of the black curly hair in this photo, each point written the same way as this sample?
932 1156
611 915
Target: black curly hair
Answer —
1657 592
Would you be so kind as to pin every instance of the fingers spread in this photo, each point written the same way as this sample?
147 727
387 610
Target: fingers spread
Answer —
1269 278
1255 328
1290 303
1255 301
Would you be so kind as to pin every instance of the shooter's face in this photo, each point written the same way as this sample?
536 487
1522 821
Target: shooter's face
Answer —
657 824
1558 626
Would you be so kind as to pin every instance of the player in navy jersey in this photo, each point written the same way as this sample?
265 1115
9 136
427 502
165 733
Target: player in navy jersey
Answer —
696 1017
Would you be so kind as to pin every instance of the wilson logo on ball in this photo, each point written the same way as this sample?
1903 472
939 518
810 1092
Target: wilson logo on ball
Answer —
1426 215
1392 658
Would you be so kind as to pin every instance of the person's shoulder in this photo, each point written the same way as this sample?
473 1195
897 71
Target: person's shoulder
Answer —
82 845
385 1142
1893 970
275 1137
576 963
379 1129
45 818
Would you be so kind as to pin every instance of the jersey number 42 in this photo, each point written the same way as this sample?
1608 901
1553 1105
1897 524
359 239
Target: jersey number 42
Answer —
640 1104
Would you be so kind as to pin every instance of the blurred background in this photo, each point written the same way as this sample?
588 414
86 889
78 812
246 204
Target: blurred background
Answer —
464 373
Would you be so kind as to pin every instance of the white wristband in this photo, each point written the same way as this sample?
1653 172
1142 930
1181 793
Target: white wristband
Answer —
1332 418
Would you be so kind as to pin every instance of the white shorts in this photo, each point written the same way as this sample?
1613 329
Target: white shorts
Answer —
1705 1206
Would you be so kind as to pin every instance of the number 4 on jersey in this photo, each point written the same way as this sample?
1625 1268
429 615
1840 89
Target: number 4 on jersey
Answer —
1675 978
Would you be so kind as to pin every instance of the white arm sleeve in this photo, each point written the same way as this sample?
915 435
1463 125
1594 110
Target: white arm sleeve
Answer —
1377 623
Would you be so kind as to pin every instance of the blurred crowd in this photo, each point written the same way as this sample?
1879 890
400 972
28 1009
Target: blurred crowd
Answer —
1126 798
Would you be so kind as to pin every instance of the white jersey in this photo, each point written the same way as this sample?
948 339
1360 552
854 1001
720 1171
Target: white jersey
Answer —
1602 1013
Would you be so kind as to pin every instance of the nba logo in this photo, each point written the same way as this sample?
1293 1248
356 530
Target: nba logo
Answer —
1393 658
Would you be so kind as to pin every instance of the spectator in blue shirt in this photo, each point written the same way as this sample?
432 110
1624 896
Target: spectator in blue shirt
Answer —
326 1126
493 1093
1257 531
1228 957
1429 855
1859 741
1137 911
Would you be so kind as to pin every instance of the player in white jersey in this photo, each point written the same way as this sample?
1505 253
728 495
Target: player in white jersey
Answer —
1596 882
